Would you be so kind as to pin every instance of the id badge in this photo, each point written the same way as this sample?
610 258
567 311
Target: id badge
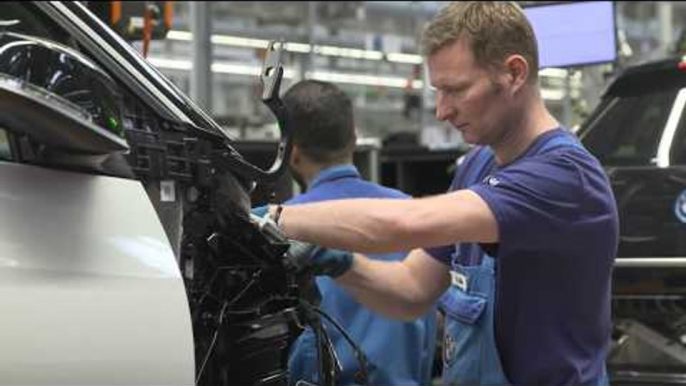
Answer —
459 280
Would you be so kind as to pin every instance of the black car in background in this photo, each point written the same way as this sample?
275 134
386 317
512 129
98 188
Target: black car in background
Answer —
638 132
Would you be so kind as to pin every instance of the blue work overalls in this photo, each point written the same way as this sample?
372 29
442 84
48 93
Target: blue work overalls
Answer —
398 352
470 353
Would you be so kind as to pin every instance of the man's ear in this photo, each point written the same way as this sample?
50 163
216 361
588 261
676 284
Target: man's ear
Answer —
517 70
296 157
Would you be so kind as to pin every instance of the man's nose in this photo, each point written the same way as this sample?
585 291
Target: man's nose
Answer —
443 109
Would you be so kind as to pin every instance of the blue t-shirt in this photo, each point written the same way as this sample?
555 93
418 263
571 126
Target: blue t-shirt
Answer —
558 231
398 352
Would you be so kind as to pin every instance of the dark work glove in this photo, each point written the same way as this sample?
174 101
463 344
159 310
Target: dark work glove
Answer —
261 218
322 261
260 211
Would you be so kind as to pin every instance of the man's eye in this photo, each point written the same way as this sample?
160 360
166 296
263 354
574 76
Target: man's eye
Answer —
454 91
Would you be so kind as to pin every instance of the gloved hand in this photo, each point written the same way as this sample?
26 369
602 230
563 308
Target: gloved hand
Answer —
260 211
262 219
322 261
306 256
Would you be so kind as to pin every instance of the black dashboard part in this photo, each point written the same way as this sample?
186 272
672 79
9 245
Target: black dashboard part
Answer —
243 298
165 150
126 65
179 151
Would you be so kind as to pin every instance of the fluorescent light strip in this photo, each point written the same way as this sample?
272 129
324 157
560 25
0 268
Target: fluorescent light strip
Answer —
552 95
238 69
298 47
348 52
404 58
171 64
245 69
553 72
353 53
366 80
179 35
302 48
239 42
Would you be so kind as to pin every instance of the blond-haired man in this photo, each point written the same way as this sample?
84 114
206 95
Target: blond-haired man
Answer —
524 243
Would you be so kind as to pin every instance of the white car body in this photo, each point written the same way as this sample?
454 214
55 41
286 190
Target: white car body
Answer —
90 290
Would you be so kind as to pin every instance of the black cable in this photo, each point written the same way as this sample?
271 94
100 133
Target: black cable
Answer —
246 288
225 306
207 357
359 354
324 345
210 350
327 374
208 291
257 307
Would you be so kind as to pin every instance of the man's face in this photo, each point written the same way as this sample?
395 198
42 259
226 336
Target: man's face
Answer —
471 98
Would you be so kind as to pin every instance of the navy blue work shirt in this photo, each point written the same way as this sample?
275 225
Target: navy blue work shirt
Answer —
558 231
399 353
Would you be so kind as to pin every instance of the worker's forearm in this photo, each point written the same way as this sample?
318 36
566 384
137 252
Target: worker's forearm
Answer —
386 225
360 225
389 288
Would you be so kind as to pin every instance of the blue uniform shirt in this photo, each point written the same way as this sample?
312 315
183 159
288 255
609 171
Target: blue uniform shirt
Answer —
558 229
399 353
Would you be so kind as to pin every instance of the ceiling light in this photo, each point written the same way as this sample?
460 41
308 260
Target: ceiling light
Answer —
251 70
553 95
298 47
179 35
239 41
367 80
171 64
348 52
553 72
404 58
302 48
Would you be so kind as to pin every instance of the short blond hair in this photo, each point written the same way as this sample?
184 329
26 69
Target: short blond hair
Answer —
494 30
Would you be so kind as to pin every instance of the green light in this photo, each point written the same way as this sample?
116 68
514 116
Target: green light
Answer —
113 123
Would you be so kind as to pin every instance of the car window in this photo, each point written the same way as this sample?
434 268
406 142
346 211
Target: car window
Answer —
5 153
628 132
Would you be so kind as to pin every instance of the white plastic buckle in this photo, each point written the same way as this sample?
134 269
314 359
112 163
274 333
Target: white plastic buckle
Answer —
459 280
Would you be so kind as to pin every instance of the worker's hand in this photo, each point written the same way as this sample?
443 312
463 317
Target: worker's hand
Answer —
304 256
322 261
262 218
260 211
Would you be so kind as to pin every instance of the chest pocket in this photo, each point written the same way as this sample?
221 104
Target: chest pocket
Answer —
465 307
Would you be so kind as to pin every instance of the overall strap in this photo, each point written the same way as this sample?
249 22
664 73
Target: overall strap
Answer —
559 141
